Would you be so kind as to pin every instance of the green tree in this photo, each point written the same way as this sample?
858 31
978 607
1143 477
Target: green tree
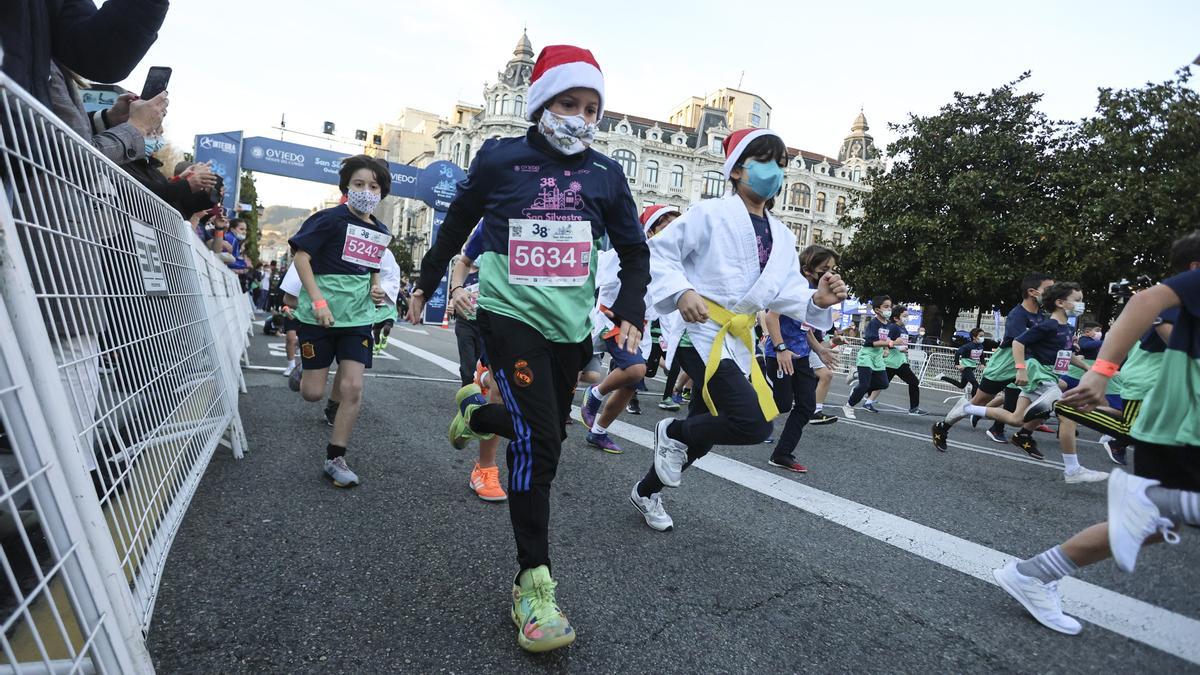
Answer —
961 216
403 255
248 194
1130 176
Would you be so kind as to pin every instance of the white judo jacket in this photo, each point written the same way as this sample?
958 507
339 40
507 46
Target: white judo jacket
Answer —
712 250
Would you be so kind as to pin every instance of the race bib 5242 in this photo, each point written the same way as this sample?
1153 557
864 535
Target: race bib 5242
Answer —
364 246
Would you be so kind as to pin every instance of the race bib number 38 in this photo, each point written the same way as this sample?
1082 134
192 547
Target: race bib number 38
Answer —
549 253
364 246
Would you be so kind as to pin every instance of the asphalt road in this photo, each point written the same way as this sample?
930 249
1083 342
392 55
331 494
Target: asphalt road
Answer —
275 570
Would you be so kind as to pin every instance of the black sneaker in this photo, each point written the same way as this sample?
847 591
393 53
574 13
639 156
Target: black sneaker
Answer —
941 434
822 418
975 421
1024 440
331 409
996 437
634 407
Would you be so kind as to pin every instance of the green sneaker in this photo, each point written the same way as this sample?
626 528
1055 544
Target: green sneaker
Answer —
466 401
541 625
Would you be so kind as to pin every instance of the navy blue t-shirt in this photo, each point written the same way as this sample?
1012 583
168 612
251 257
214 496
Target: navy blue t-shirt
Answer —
1151 341
1185 336
795 336
1043 341
323 237
871 335
762 235
1017 322
1089 347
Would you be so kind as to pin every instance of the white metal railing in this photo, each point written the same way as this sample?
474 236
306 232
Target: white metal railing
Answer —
118 378
927 361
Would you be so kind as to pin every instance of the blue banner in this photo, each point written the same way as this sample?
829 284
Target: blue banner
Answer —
223 151
308 163
435 309
438 184
439 217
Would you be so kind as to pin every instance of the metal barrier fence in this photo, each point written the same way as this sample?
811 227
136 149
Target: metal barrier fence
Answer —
119 376
927 361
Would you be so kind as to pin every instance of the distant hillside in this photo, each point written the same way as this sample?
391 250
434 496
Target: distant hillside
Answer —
278 223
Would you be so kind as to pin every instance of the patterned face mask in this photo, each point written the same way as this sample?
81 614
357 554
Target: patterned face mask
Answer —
569 135
362 201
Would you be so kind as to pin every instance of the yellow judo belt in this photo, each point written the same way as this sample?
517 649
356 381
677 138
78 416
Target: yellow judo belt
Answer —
740 326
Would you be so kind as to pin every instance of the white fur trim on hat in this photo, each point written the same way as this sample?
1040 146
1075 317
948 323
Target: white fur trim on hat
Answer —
561 78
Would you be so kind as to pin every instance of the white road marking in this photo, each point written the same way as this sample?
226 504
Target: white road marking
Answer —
1132 618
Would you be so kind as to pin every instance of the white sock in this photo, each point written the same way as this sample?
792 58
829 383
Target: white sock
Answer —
597 429
976 410
595 392
1071 463
869 401
820 407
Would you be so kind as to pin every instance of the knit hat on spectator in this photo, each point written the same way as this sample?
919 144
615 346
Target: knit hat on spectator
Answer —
737 142
559 68
653 213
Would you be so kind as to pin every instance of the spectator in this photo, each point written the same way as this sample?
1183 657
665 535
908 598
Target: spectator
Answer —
122 133
276 298
102 44
196 189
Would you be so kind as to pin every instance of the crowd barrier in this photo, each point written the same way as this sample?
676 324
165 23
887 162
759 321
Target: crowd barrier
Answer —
926 361
120 355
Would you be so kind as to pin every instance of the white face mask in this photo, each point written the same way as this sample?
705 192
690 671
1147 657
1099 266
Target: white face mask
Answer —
1077 309
363 201
241 236
1099 335
570 135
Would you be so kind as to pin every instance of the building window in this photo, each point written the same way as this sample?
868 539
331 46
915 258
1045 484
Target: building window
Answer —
757 107
755 120
458 153
677 176
857 175
505 105
801 195
714 146
821 202
652 172
837 238
520 106
818 235
467 155
627 161
841 206
496 104
714 184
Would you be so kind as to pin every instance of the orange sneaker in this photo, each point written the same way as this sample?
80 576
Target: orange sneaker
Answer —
486 484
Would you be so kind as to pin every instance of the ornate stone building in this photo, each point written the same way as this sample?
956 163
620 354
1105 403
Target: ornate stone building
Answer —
667 163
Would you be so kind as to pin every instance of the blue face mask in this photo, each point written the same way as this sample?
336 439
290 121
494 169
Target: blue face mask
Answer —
154 144
764 178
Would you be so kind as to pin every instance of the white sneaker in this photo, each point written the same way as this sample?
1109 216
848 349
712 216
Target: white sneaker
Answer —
1132 517
669 455
1085 475
287 372
1043 601
958 412
652 510
848 412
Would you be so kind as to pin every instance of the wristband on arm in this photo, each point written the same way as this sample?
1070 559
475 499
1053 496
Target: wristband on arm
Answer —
320 304
1019 366
1106 368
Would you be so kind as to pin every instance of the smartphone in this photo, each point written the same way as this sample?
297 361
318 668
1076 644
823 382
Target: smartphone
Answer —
156 82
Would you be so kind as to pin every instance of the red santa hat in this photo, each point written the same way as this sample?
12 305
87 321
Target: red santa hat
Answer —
653 213
737 142
559 68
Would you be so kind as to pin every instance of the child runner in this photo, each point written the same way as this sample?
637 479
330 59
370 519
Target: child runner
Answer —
896 360
385 318
790 354
815 261
1041 354
1164 490
872 373
1000 373
966 360
719 264
338 252
464 299
627 369
546 200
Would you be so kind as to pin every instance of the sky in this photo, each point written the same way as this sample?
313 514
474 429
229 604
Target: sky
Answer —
241 65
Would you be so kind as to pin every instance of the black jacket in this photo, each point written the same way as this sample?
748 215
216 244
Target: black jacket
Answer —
102 44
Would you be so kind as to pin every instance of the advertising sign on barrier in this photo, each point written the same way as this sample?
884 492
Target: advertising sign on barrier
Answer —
435 309
223 151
